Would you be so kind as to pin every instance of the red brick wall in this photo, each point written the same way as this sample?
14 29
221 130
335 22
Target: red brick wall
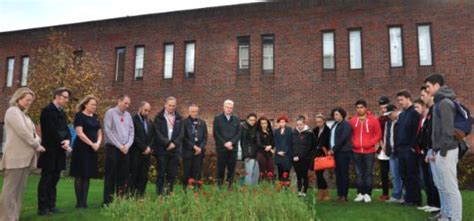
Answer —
298 85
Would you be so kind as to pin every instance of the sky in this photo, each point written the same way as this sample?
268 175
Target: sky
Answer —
25 14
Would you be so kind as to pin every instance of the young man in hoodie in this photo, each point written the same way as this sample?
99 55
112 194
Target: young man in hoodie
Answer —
408 125
366 133
445 147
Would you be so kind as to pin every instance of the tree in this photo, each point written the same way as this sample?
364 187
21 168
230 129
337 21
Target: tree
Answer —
59 64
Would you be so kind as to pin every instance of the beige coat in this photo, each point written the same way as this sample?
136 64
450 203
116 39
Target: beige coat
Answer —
21 141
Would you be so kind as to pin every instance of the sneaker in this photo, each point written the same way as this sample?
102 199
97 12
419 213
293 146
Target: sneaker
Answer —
392 200
432 209
423 207
435 217
299 194
401 201
303 194
359 198
367 198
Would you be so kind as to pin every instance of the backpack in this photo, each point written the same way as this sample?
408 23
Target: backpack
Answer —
462 120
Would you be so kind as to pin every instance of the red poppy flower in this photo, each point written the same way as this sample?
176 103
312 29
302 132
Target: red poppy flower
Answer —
285 175
190 181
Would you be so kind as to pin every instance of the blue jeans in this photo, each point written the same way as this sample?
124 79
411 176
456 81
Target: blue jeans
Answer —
364 167
451 200
396 178
252 172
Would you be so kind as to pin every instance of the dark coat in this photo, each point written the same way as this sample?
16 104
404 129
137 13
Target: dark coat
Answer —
283 142
161 141
248 141
303 143
189 139
225 131
408 122
54 130
343 138
424 137
142 140
321 140
264 139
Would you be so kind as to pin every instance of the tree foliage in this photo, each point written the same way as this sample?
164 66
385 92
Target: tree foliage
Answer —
59 64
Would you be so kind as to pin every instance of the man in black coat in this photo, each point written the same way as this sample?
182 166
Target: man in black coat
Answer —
141 150
167 145
56 139
226 130
194 144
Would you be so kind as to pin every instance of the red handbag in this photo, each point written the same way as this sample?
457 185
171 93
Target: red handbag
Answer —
324 162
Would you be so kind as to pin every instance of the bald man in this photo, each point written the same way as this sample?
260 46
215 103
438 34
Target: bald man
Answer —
141 150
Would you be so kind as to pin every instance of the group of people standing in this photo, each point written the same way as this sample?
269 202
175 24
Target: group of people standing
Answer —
419 136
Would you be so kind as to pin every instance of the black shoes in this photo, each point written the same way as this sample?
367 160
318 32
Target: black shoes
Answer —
44 212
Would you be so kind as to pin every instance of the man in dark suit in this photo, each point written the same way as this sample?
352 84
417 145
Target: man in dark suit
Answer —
141 150
167 145
226 130
56 139
194 144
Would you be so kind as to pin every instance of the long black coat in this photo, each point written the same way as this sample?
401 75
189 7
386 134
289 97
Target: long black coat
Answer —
189 139
54 130
225 131
248 141
321 140
161 141
142 140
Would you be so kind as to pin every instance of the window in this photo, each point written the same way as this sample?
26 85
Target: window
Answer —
190 59
139 60
328 50
119 64
267 50
355 49
244 54
10 67
25 62
168 66
396 47
424 45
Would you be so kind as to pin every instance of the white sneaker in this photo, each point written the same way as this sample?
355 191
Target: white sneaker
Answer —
299 193
359 198
432 209
392 200
423 207
303 194
367 198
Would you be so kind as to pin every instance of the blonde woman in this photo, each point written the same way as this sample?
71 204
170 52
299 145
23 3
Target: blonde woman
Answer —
20 153
85 147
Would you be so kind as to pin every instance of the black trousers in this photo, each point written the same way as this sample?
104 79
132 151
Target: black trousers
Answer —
116 173
384 170
343 160
47 189
320 181
167 170
301 168
192 167
282 169
410 173
430 188
139 166
226 160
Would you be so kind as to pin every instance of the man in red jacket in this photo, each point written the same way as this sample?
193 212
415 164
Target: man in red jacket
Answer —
366 133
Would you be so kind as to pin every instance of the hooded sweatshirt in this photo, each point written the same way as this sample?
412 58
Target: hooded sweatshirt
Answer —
365 134
444 113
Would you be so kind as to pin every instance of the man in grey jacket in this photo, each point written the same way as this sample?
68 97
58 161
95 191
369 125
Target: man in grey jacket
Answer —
445 148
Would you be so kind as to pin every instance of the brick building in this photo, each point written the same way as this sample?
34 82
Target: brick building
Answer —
295 57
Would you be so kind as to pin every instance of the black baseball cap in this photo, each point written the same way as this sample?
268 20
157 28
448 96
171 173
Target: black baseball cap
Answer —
384 100
390 108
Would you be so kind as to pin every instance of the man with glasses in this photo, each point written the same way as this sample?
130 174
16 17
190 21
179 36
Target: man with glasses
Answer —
56 139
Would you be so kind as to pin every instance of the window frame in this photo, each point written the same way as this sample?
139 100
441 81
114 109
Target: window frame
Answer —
333 31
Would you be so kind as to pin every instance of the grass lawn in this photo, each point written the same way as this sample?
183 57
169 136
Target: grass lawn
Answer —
325 211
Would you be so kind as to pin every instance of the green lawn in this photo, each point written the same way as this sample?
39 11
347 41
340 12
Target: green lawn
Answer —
325 211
